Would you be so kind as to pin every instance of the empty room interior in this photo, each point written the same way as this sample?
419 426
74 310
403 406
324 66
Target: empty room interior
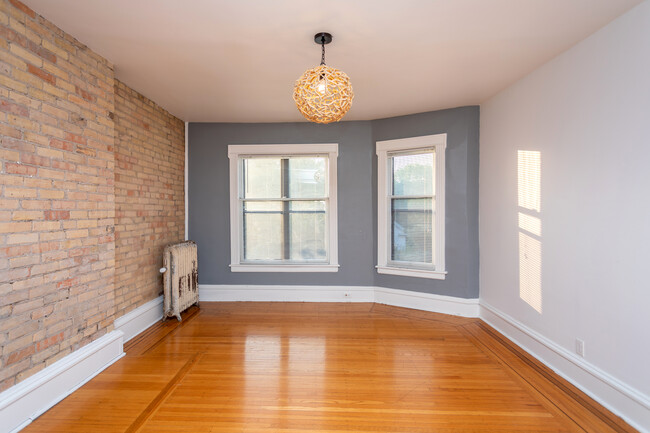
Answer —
347 216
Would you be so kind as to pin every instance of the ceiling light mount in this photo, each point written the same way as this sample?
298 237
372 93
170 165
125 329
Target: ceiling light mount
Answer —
323 94
322 38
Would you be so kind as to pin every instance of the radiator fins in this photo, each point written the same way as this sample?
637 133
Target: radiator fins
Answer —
180 279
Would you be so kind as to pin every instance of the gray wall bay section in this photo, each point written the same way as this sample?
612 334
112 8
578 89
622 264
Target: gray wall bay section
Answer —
461 197
209 200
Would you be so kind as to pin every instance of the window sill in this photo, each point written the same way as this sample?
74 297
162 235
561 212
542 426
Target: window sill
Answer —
418 273
283 268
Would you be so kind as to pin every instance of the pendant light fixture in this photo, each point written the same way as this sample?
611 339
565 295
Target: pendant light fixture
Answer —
323 94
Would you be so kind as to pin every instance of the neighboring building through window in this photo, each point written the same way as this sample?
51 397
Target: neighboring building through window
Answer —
411 206
283 208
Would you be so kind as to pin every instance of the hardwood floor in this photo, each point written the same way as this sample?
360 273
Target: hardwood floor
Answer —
301 367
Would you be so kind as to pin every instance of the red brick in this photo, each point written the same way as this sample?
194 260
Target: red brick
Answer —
18 250
10 131
45 76
44 247
23 8
63 165
30 158
21 40
41 52
86 95
44 344
75 138
86 151
106 239
60 144
55 215
10 107
19 355
67 283
26 170
20 145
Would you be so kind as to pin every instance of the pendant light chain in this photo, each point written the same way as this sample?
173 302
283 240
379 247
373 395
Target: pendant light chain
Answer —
322 44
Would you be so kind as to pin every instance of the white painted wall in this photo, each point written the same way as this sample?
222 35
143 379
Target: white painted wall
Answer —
587 113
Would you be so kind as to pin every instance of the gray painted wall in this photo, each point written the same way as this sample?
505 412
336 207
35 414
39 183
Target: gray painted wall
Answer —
209 206
209 214
461 196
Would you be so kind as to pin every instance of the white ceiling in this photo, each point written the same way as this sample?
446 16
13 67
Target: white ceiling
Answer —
236 61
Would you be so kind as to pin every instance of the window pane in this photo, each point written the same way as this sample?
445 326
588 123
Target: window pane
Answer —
285 230
263 231
262 178
413 174
307 177
308 237
411 230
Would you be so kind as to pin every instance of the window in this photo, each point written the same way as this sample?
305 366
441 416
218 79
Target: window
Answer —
283 208
411 206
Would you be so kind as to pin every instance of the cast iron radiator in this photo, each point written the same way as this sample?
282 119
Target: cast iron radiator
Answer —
180 278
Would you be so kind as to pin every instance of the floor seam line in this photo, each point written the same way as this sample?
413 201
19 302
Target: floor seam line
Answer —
162 396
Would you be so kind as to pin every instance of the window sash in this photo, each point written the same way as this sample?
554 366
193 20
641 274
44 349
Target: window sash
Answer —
391 198
286 212
285 188
386 150
286 233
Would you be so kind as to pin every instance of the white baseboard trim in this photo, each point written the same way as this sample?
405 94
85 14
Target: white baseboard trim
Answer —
24 402
427 302
381 295
625 401
263 293
136 321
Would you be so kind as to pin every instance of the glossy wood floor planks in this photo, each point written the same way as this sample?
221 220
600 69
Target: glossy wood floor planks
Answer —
325 367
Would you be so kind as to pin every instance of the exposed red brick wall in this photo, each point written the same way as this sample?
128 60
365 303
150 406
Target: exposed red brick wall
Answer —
149 194
57 208
67 212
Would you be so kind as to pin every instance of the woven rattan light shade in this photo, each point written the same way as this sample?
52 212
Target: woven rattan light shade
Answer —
323 94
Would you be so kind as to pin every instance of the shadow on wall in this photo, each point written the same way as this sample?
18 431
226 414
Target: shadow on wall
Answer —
529 173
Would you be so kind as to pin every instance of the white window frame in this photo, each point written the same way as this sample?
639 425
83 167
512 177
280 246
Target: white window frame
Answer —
437 142
235 153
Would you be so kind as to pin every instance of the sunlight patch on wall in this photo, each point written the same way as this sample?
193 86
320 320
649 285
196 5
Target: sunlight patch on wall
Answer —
530 271
529 170
530 223
529 173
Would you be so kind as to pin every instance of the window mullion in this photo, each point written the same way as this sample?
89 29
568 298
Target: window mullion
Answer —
411 197
262 200
286 204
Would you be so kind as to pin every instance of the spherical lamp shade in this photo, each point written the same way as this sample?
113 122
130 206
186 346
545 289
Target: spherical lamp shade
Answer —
323 94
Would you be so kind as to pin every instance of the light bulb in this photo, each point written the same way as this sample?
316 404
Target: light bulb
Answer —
321 87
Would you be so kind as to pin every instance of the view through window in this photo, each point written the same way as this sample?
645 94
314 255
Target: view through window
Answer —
412 202
284 205
283 214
